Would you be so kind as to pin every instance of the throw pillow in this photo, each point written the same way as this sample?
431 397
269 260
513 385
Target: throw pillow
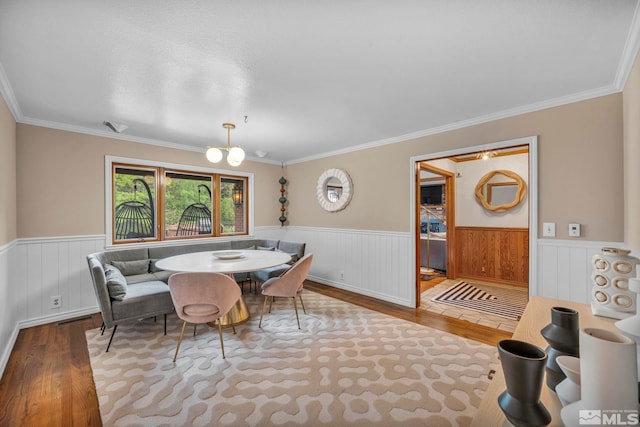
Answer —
129 268
116 283
264 248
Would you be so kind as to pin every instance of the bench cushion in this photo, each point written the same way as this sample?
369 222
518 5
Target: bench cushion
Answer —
137 302
267 273
138 278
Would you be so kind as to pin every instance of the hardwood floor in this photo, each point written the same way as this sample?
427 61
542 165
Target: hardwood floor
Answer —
48 379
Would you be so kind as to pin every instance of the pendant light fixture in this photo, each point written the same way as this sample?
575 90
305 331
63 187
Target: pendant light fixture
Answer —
235 155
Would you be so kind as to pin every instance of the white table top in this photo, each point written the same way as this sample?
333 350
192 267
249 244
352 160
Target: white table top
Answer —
251 260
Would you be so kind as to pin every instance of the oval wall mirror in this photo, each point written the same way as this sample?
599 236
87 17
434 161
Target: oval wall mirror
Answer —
334 190
500 190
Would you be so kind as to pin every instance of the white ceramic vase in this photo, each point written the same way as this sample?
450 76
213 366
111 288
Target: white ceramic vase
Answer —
609 378
610 294
568 390
631 325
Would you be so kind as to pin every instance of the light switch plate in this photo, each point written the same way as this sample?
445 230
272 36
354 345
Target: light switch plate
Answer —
549 229
574 230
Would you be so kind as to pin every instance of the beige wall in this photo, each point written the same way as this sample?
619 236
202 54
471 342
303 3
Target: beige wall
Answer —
580 172
61 180
631 108
8 210
471 213
61 190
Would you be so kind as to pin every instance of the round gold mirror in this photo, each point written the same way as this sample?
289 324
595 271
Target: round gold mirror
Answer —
334 190
500 190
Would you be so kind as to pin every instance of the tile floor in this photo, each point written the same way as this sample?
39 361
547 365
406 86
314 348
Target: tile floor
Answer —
472 316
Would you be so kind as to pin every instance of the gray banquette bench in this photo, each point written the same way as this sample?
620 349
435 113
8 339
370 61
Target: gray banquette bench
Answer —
129 287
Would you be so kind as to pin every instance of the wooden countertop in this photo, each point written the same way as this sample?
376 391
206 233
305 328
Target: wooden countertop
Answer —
536 316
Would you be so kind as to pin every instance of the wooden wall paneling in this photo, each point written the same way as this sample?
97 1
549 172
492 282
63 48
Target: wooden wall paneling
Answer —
495 254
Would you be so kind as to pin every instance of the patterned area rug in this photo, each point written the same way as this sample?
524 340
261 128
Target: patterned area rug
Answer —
347 366
495 300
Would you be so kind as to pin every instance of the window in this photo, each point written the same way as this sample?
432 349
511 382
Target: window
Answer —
188 205
135 212
153 203
232 204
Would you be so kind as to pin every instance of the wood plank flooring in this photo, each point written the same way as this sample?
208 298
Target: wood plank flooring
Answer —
48 379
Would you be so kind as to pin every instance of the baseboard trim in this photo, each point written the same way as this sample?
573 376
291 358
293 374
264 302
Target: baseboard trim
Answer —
361 291
8 350
43 320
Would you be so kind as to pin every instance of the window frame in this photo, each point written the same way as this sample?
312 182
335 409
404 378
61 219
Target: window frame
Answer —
111 162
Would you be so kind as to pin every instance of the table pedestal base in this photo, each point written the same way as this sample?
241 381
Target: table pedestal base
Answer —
238 314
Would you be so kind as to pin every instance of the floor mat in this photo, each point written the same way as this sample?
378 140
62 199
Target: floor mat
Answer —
494 300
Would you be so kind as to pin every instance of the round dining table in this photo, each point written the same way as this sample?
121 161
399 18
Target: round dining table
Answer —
226 262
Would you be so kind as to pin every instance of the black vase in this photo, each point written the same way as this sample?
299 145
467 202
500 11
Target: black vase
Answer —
562 334
523 366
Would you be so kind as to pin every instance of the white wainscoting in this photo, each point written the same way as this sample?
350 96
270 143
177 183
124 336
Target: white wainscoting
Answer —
54 266
564 269
8 314
380 264
373 263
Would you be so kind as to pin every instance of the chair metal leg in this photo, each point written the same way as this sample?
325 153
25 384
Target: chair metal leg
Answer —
175 356
221 340
194 329
111 339
102 328
295 306
264 305
302 302
271 304
165 323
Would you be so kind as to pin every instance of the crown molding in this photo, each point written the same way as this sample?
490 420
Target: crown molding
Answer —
581 96
555 102
9 97
630 51
108 134
124 137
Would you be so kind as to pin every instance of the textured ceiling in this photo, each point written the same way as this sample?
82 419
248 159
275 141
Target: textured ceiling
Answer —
312 77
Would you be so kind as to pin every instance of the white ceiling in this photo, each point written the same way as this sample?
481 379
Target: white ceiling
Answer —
312 77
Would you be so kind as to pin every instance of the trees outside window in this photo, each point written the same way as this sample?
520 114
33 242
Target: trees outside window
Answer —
154 203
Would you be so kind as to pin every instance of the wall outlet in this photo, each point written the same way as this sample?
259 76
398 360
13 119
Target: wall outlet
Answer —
56 301
549 229
342 275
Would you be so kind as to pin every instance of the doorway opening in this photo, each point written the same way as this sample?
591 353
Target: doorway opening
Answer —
436 202
460 237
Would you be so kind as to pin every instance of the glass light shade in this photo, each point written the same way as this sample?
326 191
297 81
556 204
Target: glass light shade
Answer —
214 155
233 162
237 154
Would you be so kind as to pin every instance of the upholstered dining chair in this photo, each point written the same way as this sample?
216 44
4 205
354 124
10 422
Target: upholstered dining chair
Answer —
202 298
289 285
